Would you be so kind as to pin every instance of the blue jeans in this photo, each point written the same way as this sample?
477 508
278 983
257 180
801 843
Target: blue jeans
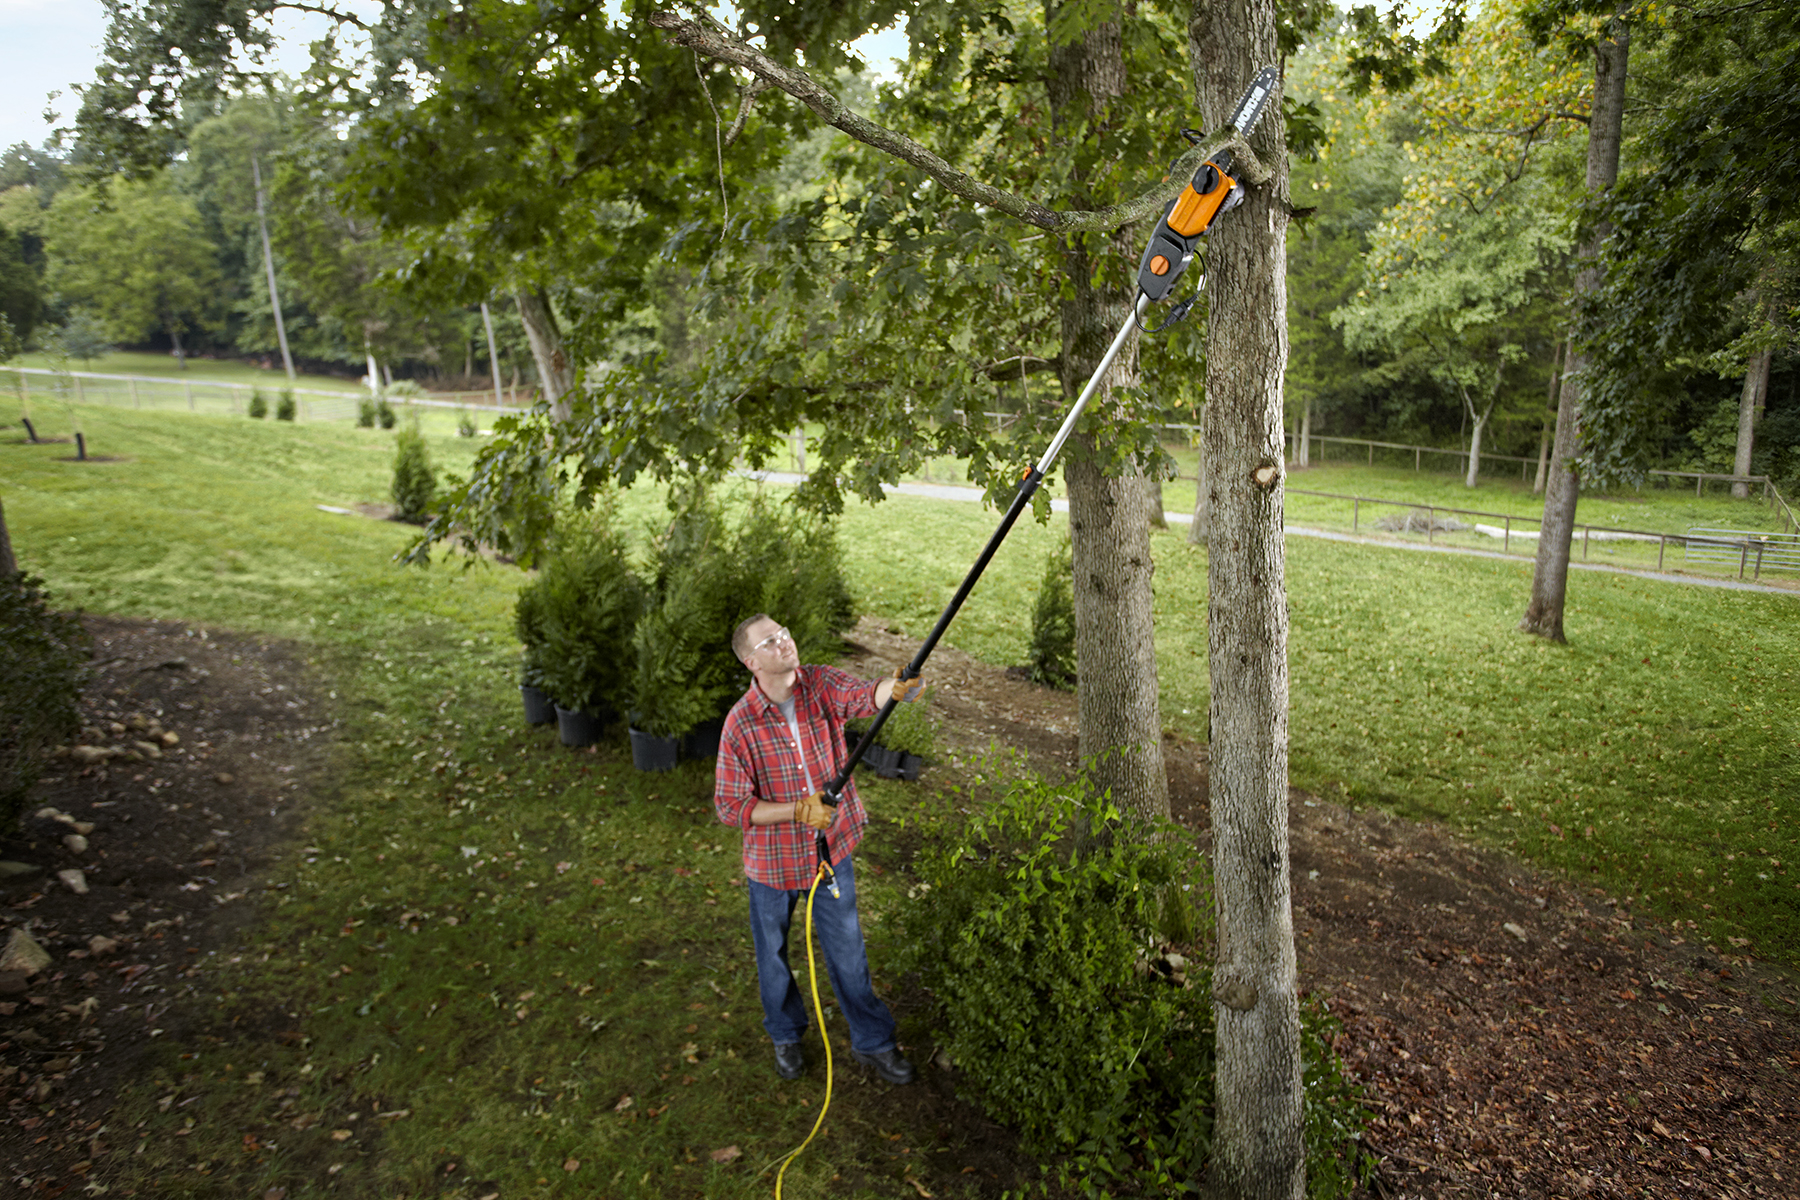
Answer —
839 935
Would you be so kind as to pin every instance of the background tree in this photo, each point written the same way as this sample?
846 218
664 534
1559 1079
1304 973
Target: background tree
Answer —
139 259
1468 308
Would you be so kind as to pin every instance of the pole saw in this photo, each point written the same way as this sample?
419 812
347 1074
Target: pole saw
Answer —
1184 222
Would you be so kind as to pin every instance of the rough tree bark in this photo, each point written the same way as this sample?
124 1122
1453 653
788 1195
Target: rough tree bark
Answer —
1750 406
555 372
1154 502
1550 581
1257 1149
1115 643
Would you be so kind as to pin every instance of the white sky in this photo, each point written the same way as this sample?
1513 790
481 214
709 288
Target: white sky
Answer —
48 45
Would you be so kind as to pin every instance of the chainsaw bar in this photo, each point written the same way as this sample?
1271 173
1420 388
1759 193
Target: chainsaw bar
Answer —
1211 191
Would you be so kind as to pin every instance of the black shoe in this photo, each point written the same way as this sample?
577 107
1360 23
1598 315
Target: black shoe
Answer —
790 1063
888 1064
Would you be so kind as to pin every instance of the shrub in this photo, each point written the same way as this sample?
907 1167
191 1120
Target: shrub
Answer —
259 405
1052 650
686 671
365 412
1036 928
43 660
528 624
465 425
415 484
284 405
582 612
384 413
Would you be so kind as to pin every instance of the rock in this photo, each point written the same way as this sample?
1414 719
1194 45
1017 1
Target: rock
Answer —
118 729
12 983
76 843
23 954
74 880
224 777
170 737
148 749
82 827
47 814
100 945
136 721
1517 931
16 871
87 756
942 1061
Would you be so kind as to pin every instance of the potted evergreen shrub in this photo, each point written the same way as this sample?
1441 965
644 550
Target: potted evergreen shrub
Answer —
528 623
415 482
591 601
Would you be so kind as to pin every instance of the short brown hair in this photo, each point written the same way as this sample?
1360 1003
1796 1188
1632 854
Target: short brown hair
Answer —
740 637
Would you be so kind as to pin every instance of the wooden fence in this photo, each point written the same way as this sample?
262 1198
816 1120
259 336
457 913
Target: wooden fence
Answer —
203 395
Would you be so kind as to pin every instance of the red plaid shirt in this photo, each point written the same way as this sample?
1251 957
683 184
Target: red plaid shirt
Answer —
759 761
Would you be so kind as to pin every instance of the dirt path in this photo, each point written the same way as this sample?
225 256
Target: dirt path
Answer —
222 728
1519 1035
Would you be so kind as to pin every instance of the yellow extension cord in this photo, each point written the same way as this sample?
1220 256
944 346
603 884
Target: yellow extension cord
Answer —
812 970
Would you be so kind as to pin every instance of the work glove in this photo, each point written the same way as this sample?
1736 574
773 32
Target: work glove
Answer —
813 811
907 689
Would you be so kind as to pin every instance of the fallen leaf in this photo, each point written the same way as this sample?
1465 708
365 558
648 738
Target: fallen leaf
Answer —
1661 1129
623 1104
727 1154
340 1135
571 1165
918 1187
398 1114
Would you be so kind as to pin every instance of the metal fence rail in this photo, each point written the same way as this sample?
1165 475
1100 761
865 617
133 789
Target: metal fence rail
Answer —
1746 549
212 396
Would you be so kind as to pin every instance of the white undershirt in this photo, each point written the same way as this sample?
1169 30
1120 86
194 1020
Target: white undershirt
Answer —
787 710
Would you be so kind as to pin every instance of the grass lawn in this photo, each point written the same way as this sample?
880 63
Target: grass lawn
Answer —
580 940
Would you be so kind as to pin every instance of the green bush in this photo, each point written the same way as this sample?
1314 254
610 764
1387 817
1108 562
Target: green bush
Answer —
577 619
384 413
259 405
1052 650
465 425
43 661
1039 929
415 483
686 671
365 412
284 405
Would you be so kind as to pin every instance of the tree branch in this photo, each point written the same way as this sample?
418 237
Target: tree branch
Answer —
325 10
707 36
1019 365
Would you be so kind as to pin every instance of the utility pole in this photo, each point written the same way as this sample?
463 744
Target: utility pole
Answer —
287 360
487 323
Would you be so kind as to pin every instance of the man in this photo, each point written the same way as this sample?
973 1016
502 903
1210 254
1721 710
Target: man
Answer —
782 745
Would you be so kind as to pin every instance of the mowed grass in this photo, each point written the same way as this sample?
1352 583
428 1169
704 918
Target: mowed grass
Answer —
444 951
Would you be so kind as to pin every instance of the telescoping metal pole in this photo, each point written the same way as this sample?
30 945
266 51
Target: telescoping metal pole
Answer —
1028 487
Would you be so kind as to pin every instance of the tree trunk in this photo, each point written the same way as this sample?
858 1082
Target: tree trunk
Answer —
487 323
262 221
374 369
1756 386
554 371
1473 476
175 338
1256 1149
1305 455
1550 581
1115 643
1201 527
9 566
1153 502
1556 358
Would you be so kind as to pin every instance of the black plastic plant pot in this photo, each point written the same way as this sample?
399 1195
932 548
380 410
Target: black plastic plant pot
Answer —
882 761
702 741
539 708
652 753
906 766
577 728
